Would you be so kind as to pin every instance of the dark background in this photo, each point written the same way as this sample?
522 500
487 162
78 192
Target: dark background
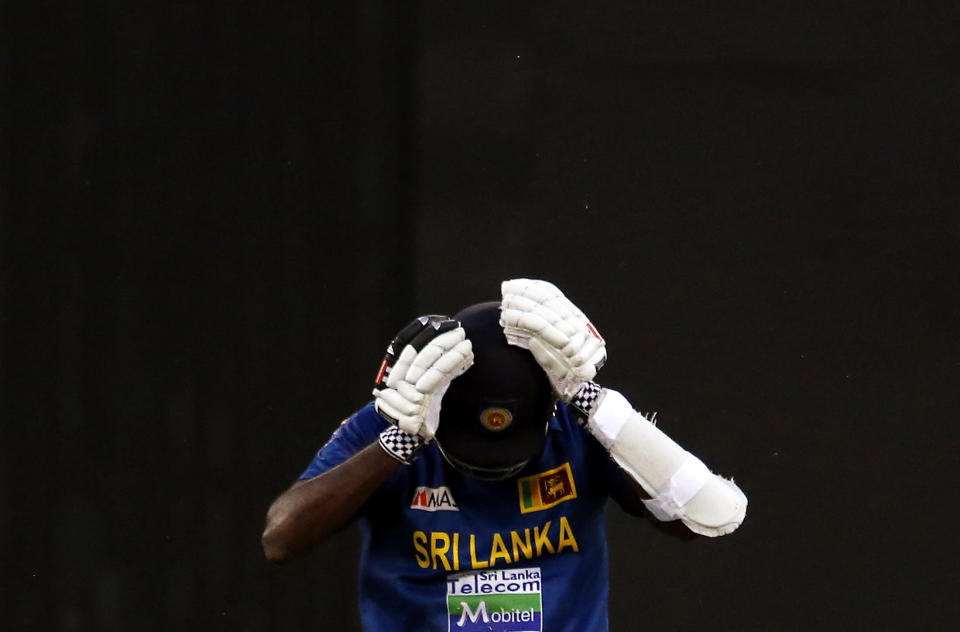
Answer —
214 216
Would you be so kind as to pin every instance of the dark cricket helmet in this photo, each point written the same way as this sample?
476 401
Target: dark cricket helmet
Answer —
493 418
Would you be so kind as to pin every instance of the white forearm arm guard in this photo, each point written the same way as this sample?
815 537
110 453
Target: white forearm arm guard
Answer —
679 484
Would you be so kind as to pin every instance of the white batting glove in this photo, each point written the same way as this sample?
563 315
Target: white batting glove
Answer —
537 316
417 370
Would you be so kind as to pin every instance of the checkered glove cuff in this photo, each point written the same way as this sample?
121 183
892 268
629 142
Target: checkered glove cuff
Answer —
400 445
585 400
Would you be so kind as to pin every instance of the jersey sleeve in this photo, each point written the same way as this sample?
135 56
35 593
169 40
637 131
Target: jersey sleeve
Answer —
354 434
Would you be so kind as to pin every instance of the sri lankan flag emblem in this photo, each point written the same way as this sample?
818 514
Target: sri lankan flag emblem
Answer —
546 489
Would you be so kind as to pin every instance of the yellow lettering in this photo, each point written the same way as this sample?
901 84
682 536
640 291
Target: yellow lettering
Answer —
524 545
499 550
566 536
443 546
474 562
418 537
456 551
439 552
542 539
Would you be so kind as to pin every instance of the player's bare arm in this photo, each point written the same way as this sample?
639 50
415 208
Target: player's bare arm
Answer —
418 366
310 511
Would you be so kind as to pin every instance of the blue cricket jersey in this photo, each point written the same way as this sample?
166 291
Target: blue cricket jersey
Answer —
445 552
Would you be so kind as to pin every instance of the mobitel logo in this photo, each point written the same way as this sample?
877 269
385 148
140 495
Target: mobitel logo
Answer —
433 499
506 600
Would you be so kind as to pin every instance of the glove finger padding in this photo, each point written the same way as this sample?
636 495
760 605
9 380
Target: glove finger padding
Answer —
398 402
446 367
539 291
402 366
589 352
434 350
565 377
535 315
557 320
416 333
410 393
385 405
433 355
453 360
538 322
548 358
525 293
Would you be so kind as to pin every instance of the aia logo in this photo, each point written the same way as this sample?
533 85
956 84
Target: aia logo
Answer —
433 499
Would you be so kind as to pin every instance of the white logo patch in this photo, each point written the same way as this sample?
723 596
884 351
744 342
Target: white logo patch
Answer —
433 499
506 600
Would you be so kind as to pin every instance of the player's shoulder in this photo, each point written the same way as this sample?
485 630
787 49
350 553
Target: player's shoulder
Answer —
365 422
352 435
367 418
565 419
574 436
